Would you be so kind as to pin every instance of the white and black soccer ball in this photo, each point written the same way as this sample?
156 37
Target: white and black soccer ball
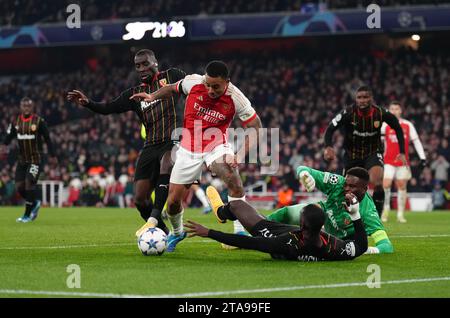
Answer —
152 242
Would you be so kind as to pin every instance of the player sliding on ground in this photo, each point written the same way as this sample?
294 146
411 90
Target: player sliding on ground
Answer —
338 221
212 102
303 242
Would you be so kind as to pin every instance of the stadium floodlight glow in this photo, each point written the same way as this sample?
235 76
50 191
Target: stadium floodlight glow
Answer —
172 29
415 37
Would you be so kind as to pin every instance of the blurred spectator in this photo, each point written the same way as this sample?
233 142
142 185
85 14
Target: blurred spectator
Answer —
285 196
440 197
440 167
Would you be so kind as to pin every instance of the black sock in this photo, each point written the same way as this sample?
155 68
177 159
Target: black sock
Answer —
224 213
378 199
145 209
30 197
162 191
156 213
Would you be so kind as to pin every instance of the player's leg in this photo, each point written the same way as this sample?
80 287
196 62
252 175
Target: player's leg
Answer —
230 176
162 189
32 204
389 172
374 164
142 191
403 176
20 185
187 169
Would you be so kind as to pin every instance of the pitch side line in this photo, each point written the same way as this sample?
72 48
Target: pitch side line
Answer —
196 241
219 293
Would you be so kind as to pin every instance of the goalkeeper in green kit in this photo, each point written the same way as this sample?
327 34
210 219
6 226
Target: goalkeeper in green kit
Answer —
338 221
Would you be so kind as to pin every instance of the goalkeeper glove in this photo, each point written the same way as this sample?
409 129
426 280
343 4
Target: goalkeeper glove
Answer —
307 181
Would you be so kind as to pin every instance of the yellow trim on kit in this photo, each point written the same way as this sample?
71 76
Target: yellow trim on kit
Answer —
379 236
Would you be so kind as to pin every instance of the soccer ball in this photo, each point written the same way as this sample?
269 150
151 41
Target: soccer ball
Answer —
152 242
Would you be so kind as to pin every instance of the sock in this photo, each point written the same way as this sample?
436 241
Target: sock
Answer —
145 210
378 199
224 212
30 200
387 199
200 194
161 192
401 202
236 224
238 227
177 222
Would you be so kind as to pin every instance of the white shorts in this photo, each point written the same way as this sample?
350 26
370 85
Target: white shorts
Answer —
398 173
188 165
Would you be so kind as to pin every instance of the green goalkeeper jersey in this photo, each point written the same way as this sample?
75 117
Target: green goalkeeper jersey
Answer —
338 221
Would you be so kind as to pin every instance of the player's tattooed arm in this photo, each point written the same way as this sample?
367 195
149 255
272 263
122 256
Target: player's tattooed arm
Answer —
162 93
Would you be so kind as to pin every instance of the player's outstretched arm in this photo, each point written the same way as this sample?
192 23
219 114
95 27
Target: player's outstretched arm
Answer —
360 236
323 181
162 93
262 244
119 105
329 153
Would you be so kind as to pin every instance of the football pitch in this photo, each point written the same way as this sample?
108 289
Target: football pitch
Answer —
35 261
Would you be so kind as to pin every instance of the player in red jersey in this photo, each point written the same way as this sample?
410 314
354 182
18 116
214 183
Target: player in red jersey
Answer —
212 102
393 168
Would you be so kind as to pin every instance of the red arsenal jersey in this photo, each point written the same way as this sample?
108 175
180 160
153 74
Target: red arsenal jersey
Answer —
207 119
391 142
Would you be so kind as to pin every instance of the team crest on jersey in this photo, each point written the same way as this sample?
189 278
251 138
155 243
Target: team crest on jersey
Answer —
162 82
17 127
376 124
200 98
33 127
226 106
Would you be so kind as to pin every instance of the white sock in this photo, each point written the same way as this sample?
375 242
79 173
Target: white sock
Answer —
401 202
177 222
200 194
387 199
238 227
236 224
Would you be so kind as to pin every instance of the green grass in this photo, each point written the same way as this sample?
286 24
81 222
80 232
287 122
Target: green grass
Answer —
35 256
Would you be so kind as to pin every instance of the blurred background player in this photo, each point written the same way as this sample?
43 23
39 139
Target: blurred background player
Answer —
393 168
362 140
303 241
160 118
29 129
212 102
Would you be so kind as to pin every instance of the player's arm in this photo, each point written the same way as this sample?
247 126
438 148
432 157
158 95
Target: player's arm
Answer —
393 122
311 178
375 229
11 133
334 125
43 130
120 104
262 244
414 136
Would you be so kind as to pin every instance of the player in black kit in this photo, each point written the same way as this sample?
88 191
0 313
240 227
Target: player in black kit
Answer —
362 139
159 118
29 129
305 242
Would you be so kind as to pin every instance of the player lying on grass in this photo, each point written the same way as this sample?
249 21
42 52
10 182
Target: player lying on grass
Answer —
338 221
303 242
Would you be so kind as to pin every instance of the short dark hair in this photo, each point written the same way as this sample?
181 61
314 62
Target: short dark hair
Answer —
146 52
26 99
313 217
359 172
395 102
217 69
364 88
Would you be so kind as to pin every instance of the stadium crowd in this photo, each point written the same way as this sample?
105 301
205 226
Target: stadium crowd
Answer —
24 12
300 95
